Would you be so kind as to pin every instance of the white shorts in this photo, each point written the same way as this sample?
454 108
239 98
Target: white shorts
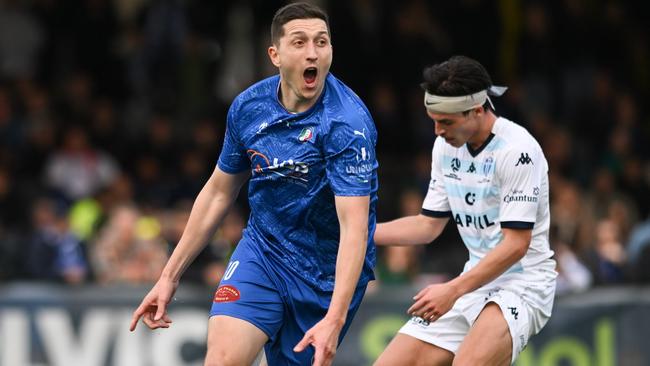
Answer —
525 318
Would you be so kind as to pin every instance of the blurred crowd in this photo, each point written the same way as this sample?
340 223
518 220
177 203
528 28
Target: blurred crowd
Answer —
112 117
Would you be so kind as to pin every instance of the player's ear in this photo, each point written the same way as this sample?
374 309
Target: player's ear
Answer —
274 56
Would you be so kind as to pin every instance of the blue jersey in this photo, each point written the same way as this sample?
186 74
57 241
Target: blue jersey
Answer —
299 162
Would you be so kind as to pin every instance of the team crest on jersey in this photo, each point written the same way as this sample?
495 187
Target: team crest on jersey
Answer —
487 165
226 293
306 134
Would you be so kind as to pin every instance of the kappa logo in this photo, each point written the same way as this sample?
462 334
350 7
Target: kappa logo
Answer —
226 293
471 168
524 159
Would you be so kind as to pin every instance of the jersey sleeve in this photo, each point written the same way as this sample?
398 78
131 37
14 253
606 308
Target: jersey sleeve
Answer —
350 158
520 171
436 202
233 158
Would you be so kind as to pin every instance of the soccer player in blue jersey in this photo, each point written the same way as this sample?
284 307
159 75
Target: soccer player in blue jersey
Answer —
490 176
307 144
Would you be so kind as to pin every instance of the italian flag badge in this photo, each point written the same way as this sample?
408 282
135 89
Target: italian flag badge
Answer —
305 134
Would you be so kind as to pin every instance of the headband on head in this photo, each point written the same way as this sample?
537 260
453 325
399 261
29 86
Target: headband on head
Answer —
449 105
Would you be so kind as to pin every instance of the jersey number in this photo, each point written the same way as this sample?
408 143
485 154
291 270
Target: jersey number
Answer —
232 266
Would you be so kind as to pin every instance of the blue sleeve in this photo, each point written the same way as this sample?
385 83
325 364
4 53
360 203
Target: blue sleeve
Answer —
233 158
350 159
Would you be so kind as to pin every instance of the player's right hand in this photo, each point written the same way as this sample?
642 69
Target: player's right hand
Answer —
153 308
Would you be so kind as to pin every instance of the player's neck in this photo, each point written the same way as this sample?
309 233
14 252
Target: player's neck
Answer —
294 103
485 129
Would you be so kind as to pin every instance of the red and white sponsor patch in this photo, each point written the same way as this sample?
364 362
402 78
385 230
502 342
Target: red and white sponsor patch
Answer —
226 293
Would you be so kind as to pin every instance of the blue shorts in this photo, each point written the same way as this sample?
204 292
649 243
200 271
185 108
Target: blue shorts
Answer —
275 301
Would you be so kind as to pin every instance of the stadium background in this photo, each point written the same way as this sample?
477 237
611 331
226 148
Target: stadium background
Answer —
112 115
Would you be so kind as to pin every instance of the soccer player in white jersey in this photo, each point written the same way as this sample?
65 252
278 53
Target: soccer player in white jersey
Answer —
490 176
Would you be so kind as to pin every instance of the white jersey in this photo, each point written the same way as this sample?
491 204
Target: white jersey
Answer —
503 184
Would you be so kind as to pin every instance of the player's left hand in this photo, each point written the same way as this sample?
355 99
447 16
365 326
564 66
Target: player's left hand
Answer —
324 337
433 301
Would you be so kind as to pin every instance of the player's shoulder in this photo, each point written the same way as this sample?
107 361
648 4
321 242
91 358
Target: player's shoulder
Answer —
259 92
342 104
514 137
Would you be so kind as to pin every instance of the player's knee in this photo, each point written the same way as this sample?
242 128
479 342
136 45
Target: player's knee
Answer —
222 357
480 357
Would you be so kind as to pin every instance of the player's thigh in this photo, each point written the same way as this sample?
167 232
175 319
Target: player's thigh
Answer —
232 341
409 351
488 342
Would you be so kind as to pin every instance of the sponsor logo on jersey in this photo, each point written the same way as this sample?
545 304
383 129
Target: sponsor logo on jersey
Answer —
306 134
420 321
226 293
479 222
452 176
470 198
363 167
518 196
286 168
455 164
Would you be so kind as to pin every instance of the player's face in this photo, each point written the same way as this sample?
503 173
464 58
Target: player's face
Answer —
303 55
456 128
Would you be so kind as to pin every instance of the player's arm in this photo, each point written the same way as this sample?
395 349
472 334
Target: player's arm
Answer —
209 209
509 251
435 300
410 230
352 213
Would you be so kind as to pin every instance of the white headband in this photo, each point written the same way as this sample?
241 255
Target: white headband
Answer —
450 105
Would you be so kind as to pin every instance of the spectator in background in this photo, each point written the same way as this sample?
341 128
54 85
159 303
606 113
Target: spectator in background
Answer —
128 249
54 252
572 274
77 170
608 257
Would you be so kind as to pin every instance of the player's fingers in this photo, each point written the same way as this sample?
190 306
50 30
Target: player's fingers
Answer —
304 342
417 307
419 295
162 304
137 314
149 320
318 356
166 318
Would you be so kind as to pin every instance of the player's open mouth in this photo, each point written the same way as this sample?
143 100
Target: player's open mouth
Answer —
310 75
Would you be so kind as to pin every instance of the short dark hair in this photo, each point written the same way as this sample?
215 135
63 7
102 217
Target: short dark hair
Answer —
460 75
294 11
